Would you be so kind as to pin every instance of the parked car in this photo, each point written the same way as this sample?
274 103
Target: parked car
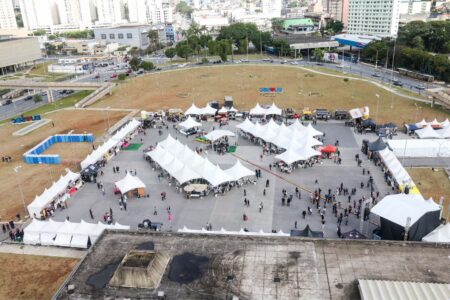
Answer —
147 224
68 92
114 75
188 132
322 113
397 83
376 75
341 114
27 98
97 76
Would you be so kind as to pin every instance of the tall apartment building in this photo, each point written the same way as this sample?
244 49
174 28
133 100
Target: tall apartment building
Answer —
373 17
69 11
338 10
271 8
149 11
7 16
37 14
110 11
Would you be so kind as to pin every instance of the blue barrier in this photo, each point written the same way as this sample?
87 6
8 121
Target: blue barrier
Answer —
19 120
33 156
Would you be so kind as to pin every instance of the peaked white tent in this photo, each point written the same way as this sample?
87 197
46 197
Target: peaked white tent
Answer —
81 234
273 110
218 134
223 110
232 109
246 126
186 174
311 131
126 130
32 233
297 126
168 142
445 123
190 123
218 176
440 235
292 155
193 110
129 183
238 171
49 232
427 132
421 124
208 110
445 133
257 110
41 201
64 234
434 123
174 166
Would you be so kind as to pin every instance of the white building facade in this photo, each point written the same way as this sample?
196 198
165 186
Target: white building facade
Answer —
374 17
39 14
413 7
150 11
7 16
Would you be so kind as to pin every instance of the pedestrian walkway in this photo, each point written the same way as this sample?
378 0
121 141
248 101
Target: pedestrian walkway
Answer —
41 250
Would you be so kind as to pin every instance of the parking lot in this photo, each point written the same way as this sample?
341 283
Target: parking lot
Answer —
227 211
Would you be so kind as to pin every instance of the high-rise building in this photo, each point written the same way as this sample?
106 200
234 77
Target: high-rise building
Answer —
110 11
271 8
338 10
149 11
37 14
7 16
69 11
88 12
413 7
373 17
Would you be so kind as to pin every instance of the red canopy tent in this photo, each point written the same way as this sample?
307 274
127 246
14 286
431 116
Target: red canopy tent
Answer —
328 149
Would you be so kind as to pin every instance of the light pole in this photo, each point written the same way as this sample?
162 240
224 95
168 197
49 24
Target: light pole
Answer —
16 171
378 104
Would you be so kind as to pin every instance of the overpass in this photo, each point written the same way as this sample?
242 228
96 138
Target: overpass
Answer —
100 89
440 96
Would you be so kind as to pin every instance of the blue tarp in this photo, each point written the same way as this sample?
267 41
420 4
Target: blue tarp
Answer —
33 156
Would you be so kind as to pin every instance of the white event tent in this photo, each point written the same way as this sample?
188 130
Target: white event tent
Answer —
100 152
185 165
65 234
395 167
274 110
440 235
420 148
238 171
193 110
427 132
218 134
292 155
190 123
258 110
129 183
41 201
208 110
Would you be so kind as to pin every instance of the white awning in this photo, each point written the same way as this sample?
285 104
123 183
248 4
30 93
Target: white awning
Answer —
273 110
190 123
186 174
246 126
129 183
218 134
218 176
440 235
32 233
292 155
257 110
427 133
64 234
208 110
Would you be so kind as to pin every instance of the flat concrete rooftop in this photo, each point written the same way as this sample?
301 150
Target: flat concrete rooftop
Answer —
217 267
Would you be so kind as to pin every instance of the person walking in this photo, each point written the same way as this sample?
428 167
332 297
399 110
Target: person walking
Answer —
92 215
155 212
304 214
261 206
295 224
125 204
245 192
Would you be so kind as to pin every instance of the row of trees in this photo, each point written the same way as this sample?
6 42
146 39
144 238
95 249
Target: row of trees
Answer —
412 49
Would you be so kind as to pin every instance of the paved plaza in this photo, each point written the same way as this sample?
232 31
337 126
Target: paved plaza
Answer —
226 211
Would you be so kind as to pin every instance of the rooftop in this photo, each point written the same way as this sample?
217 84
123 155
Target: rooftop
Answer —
211 266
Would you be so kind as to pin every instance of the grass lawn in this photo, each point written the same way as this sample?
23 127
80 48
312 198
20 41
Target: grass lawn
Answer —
31 276
433 184
41 69
301 88
62 103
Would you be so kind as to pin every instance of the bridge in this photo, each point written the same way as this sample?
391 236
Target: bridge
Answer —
100 89
440 96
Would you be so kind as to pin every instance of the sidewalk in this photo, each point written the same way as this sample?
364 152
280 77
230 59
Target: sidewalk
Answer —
41 250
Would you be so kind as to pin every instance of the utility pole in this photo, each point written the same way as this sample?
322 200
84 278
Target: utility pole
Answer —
16 170
260 43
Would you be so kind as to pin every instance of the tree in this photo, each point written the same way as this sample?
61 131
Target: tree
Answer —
242 46
37 98
39 32
122 76
277 24
153 36
212 47
52 37
318 54
184 9
335 26
134 63
147 65
282 47
183 50
170 53
50 49
204 39
223 49
133 51
417 42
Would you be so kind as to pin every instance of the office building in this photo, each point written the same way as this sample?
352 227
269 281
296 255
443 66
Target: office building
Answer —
373 17
69 11
39 14
271 8
129 35
7 16
17 52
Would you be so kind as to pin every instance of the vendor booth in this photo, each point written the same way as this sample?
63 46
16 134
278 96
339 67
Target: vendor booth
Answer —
394 211
131 185
32 233
190 123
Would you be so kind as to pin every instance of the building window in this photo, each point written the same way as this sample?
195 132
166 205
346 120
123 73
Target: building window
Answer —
112 36
129 35
103 36
120 36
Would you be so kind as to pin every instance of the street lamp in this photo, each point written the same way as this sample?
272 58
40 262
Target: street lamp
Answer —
378 104
16 171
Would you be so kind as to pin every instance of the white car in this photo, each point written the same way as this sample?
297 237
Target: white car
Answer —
244 60
181 65
294 63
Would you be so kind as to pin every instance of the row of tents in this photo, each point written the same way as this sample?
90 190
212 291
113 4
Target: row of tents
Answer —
66 234
429 132
298 140
57 189
433 124
99 153
272 110
186 165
